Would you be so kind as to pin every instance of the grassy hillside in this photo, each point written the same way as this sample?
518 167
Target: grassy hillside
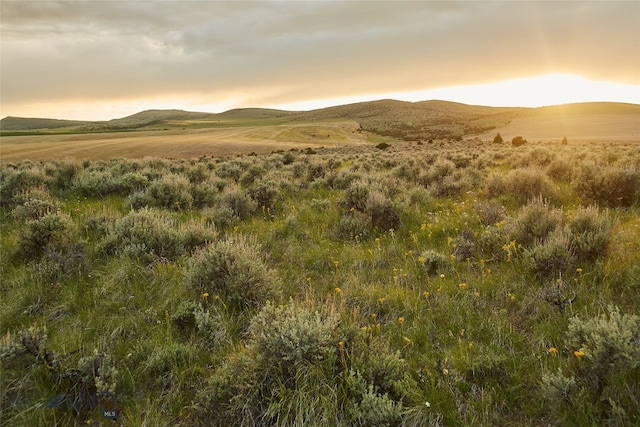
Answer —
411 121
28 124
440 284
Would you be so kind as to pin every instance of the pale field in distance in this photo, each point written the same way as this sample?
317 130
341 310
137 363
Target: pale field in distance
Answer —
180 143
581 127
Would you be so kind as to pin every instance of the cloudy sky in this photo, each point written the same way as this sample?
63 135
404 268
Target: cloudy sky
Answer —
108 59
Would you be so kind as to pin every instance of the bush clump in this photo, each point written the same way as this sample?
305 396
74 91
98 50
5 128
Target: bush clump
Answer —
599 380
589 232
36 204
14 183
171 192
234 270
611 186
527 184
51 232
304 366
551 257
535 222
148 235
238 202
432 262
383 217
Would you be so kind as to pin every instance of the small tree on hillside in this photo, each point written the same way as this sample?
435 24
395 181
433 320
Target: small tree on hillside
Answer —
518 141
498 139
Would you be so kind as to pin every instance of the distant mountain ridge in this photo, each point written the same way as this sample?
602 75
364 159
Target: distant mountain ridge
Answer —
424 120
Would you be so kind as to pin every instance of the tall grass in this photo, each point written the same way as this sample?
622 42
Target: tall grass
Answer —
424 284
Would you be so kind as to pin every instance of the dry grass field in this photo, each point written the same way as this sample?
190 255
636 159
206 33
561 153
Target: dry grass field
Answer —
579 127
181 143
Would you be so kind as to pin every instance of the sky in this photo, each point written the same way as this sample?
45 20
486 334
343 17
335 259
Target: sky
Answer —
99 60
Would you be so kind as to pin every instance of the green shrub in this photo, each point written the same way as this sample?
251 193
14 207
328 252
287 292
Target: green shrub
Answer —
355 196
265 194
51 232
131 182
221 217
287 375
527 184
210 328
383 217
197 174
432 262
354 226
171 192
288 338
252 174
539 157
12 184
234 270
139 200
490 212
93 183
229 169
551 257
36 204
238 202
560 169
464 245
148 235
611 186
163 362
62 175
204 194
183 318
496 185
30 368
303 366
535 222
599 381
589 231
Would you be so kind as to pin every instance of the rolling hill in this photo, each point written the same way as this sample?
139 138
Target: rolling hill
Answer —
410 121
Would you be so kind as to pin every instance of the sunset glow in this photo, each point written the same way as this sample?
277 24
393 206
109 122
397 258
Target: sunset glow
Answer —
552 89
103 60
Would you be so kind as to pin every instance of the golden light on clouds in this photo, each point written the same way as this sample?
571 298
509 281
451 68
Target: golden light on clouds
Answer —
102 60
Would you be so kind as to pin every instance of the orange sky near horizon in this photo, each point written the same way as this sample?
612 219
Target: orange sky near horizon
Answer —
100 60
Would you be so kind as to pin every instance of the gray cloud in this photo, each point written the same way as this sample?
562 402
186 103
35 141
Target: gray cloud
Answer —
284 51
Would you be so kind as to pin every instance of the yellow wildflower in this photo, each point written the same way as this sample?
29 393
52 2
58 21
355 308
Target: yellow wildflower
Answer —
553 351
205 295
381 300
426 294
338 291
462 285
407 341
374 316
578 270
578 354
401 320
